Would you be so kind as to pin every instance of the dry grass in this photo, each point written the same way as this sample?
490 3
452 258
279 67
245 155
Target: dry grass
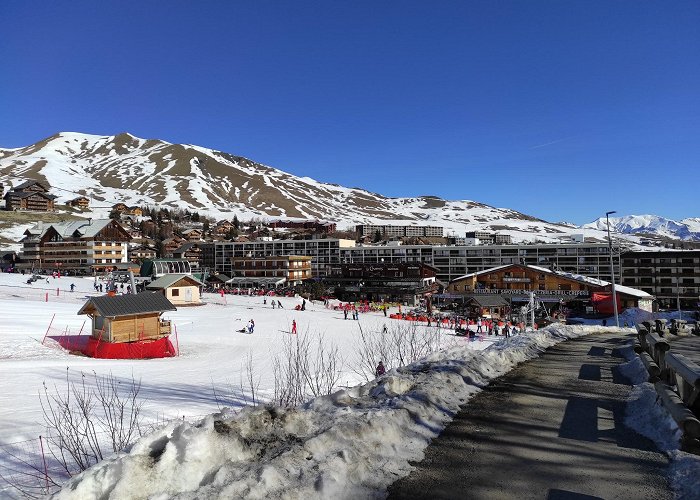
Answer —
9 219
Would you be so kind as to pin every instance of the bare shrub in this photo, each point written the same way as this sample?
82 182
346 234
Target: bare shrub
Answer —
401 344
249 384
83 421
307 367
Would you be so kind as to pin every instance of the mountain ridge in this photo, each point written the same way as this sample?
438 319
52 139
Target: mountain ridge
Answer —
135 171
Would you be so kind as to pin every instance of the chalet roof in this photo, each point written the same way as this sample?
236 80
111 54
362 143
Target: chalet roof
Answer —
128 305
28 184
26 194
168 280
80 198
634 292
488 300
485 271
185 247
85 228
223 278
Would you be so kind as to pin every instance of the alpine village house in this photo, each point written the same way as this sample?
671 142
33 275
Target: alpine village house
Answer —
30 195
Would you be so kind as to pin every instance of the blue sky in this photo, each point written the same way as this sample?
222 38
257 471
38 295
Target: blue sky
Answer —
559 109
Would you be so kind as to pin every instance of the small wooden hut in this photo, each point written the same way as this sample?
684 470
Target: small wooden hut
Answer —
180 289
129 326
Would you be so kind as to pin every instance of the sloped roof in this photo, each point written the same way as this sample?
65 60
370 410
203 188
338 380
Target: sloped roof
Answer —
571 276
185 247
128 305
223 278
168 280
489 300
30 183
26 194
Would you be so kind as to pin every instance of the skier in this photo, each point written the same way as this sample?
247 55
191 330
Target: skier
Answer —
72 287
380 370
303 304
251 326
294 327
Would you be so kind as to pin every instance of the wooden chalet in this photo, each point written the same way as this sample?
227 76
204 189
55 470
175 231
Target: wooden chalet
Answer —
191 252
171 244
222 228
141 252
80 202
128 326
498 290
180 289
30 195
192 235
217 280
120 207
135 211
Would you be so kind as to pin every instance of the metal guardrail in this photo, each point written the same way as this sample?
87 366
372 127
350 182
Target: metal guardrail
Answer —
676 380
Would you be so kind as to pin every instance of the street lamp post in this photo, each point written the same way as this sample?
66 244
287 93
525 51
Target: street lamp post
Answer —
612 269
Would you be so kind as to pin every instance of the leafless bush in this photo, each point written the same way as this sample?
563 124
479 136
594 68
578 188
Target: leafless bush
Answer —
83 421
307 367
249 383
399 345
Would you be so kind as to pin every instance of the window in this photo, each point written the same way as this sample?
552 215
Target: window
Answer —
175 292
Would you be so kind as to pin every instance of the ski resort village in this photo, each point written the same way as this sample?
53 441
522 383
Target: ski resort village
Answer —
150 352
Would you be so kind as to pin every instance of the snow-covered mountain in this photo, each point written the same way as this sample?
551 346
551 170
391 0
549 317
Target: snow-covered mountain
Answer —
686 229
134 171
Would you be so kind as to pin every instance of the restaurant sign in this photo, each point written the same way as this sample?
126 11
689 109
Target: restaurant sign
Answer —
500 291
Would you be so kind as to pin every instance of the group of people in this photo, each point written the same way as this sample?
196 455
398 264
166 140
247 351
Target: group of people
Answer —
249 328
355 313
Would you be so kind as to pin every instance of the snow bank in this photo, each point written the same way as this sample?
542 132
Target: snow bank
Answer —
351 444
647 416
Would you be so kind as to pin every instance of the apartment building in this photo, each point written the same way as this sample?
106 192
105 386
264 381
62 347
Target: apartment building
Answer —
590 259
324 252
290 269
388 231
83 245
672 276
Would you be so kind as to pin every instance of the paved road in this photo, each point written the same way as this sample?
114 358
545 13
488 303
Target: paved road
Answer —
550 429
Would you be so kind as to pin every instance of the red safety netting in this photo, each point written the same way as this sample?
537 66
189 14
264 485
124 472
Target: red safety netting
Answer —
94 348
603 303
142 349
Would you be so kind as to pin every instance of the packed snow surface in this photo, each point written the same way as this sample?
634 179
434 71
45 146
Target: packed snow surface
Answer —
351 444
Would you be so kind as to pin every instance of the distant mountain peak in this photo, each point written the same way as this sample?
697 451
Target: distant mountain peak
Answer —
135 171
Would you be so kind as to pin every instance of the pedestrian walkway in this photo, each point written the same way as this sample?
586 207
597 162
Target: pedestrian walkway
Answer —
550 429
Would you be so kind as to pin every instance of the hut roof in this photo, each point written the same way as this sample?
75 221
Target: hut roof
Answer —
128 305
168 280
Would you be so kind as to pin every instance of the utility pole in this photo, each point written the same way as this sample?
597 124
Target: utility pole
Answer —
612 269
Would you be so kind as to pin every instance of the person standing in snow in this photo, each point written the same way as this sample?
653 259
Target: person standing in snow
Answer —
294 327
380 370
251 326
478 326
